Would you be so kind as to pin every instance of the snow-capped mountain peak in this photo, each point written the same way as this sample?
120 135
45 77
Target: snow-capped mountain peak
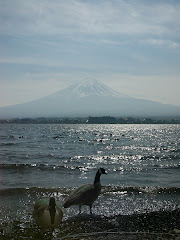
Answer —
90 87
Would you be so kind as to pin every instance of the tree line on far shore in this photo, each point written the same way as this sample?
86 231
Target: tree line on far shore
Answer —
94 120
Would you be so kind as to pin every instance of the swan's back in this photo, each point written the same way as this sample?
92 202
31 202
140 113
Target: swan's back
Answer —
83 195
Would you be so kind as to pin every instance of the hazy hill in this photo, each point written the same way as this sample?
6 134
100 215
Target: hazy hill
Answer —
88 98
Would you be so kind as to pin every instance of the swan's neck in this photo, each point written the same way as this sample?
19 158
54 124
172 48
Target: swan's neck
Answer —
52 211
97 179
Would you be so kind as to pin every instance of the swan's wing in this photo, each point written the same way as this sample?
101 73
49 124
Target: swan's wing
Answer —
79 195
43 203
40 207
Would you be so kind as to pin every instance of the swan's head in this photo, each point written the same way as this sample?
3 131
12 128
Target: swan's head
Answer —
102 171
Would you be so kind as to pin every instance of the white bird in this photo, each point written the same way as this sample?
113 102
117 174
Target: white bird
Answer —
48 213
86 194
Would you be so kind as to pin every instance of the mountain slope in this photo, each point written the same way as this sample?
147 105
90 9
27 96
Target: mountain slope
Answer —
88 98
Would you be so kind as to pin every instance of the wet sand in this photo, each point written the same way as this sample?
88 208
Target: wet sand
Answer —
154 225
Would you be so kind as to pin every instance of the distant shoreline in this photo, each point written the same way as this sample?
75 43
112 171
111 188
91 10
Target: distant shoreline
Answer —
92 120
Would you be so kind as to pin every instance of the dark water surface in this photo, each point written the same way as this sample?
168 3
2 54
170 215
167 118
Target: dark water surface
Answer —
142 161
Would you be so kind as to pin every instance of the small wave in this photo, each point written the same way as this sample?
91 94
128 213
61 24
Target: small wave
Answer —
176 166
32 190
12 191
41 166
18 166
7 144
140 190
176 150
105 190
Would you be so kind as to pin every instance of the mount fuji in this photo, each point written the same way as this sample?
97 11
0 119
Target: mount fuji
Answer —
88 98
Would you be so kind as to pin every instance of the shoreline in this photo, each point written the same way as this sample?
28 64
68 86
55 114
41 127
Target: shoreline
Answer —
136 226
152 225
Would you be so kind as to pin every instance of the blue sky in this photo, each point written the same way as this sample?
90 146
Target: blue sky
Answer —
132 46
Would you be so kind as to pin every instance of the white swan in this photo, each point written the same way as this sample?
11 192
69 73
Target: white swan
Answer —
48 213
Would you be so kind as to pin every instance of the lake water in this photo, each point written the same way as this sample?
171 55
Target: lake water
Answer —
40 160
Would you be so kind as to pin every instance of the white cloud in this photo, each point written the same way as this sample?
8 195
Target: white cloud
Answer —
163 42
31 61
150 41
90 17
